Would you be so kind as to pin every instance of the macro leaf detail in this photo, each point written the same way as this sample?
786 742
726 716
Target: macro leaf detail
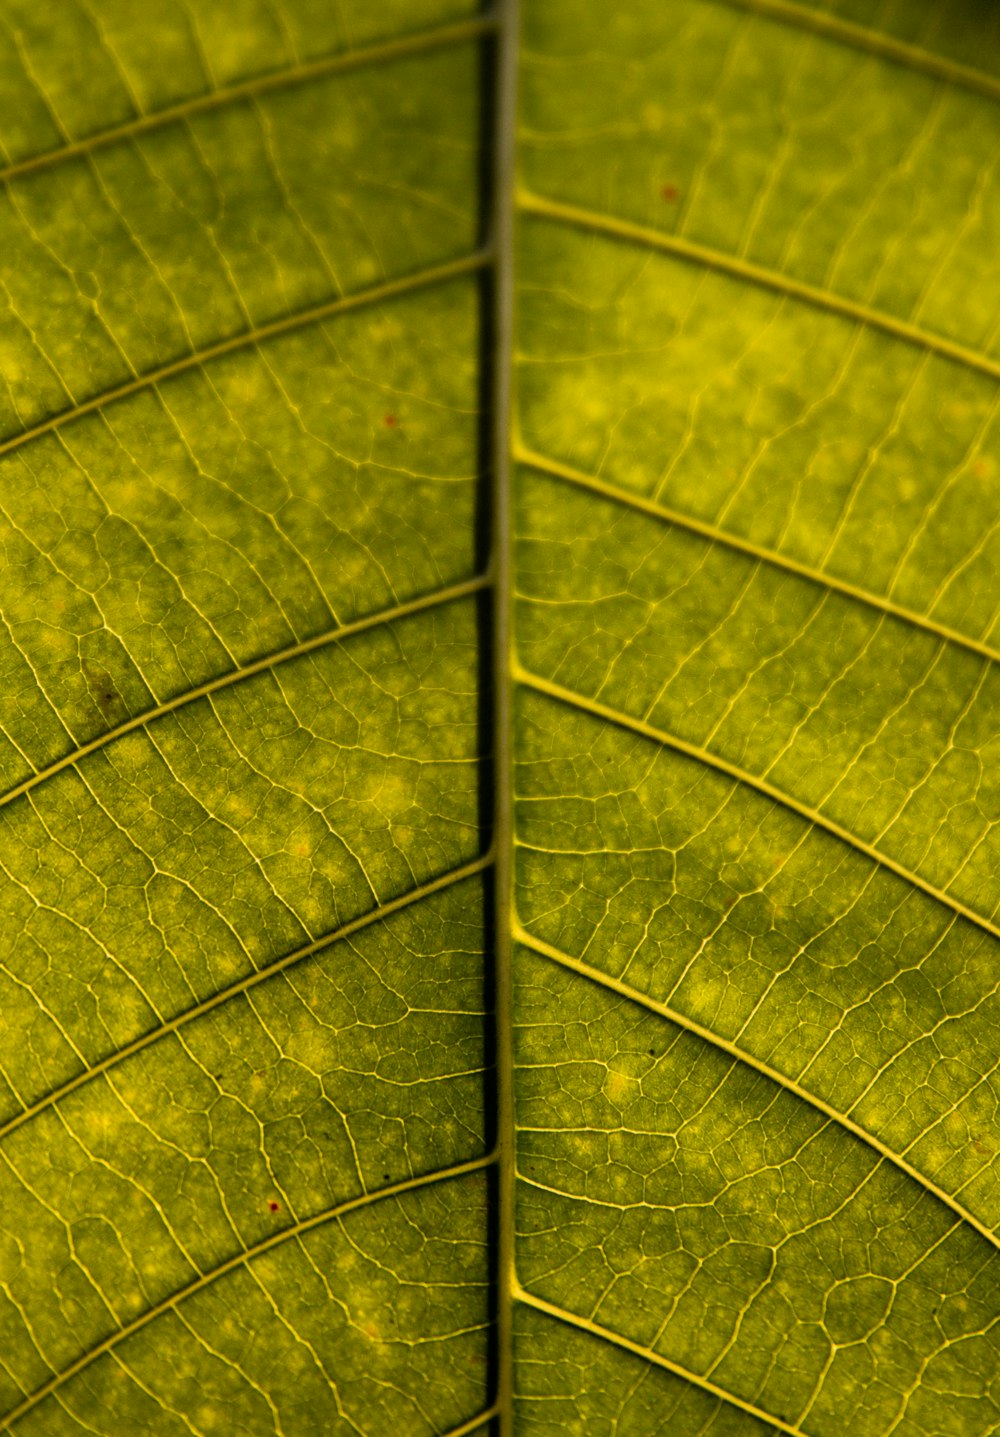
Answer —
500 800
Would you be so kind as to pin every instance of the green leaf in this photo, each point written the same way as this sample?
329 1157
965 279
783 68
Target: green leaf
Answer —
499 643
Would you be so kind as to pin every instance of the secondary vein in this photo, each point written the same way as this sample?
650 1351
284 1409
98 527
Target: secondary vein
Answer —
859 37
314 314
558 470
635 995
586 1324
235 676
474 1424
399 48
243 985
275 1240
742 775
685 249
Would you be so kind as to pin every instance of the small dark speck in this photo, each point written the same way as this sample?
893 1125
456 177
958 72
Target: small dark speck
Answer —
274 1206
385 1177
652 1052
104 693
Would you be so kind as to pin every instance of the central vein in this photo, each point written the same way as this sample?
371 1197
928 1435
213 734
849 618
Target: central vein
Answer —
500 340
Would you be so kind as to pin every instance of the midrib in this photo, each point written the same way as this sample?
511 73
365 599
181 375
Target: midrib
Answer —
500 334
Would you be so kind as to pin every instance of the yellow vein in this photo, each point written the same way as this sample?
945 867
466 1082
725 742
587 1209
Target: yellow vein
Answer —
859 37
391 289
705 530
635 995
474 1423
756 274
423 41
501 638
330 1214
741 775
586 1324
236 676
243 985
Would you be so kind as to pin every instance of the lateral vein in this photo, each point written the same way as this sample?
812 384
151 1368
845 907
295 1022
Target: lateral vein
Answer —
437 38
581 480
474 1423
586 1324
635 995
315 314
243 985
330 1214
573 215
860 37
741 775
259 666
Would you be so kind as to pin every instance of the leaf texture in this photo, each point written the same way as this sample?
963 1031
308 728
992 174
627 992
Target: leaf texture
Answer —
498 740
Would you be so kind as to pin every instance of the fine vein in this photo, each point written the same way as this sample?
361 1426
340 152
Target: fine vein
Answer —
249 1255
742 775
635 995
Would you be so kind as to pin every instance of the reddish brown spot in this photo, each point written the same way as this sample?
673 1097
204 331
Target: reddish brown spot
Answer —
391 421
981 1147
670 192
979 469
274 1206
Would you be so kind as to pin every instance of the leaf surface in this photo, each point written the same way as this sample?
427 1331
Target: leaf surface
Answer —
499 837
